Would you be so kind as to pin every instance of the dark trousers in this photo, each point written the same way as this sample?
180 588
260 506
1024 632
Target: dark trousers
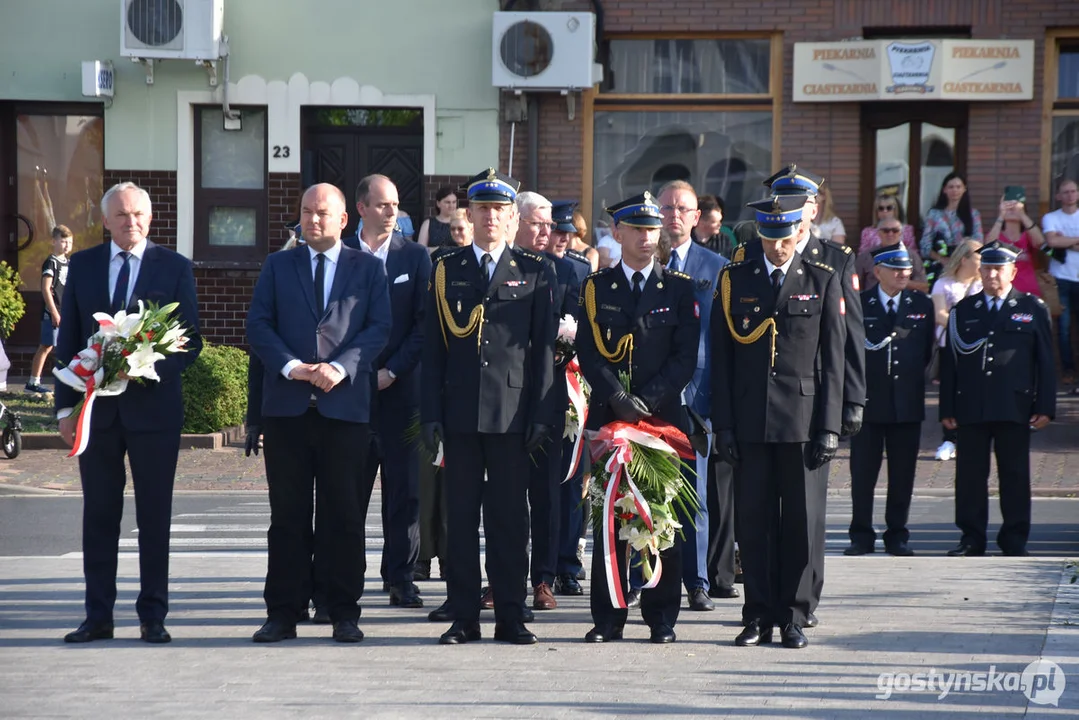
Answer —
571 513
866 455
776 503
1011 445
434 513
153 469
659 606
817 487
397 458
502 496
720 524
544 503
304 453
694 537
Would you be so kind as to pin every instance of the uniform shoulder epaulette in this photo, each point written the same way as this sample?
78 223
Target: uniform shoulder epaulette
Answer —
1038 299
529 254
733 264
577 255
598 273
677 274
820 265
450 253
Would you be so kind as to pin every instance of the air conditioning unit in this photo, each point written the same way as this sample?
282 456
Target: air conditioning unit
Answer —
544 51
171 29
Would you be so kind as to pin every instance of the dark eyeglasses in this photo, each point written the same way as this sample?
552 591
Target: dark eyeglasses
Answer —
882 208
890 231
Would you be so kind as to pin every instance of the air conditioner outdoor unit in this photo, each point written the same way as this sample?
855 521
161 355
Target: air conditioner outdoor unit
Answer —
171 29
544 51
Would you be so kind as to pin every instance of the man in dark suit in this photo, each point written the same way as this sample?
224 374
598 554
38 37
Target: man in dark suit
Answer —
318 320
777 392
143 422
899 337
397 400
997 384
637 304
570 508
486 378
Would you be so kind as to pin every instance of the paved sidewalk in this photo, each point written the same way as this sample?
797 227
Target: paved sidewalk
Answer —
879 625
1054 464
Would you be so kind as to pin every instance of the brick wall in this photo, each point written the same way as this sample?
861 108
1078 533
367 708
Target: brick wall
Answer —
1004 138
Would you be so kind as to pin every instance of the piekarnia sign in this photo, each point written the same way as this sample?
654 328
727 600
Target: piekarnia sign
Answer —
920 69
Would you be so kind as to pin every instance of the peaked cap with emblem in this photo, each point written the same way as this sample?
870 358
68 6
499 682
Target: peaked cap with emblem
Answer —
779 216
491 186
793 180
562 216
893 256
997 253
638 211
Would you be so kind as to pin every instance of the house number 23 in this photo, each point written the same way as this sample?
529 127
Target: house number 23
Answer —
280 151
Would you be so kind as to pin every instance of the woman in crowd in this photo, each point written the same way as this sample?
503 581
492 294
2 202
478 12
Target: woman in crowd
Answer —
579 242
960 279
435 231
950 221
828 226
1014 227
610 252
887 206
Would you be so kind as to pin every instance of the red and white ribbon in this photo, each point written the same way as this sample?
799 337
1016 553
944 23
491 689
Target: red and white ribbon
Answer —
575 386
617 438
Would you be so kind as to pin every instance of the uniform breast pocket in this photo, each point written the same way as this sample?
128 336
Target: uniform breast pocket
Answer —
804 306
661 319
515 292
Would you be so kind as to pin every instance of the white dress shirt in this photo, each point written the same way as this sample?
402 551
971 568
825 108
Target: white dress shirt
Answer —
381 252
495 254
116 262
646 272
785 267
994 303
885 297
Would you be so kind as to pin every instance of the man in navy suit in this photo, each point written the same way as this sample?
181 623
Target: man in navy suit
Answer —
678 206
318 320
397 400
143 423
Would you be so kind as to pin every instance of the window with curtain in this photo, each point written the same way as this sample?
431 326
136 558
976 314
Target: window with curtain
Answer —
230 186
694 109
1064 137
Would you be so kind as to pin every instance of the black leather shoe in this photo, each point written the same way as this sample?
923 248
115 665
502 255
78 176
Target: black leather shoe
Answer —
515 633
633 599
527 615
90 631
899 550
662 634
567 585
347 631
755 633
154 632
602 634
811 621
965 550
442 613
859 549
460 633
793 637
321 616
274 631
405 597
724 592
699 600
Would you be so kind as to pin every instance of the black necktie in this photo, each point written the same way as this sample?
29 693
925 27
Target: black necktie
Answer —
777 281
994 305
891 309
119 295
320 283
638 282
485 261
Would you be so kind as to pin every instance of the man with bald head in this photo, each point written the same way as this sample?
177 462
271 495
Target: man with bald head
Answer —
319 318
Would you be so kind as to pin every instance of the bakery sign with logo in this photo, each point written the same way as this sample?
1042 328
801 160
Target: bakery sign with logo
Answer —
897 69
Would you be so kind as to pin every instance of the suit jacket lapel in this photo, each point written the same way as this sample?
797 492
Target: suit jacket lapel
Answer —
791 281
505 269
346 265
147 274
302 263
652 286
101 278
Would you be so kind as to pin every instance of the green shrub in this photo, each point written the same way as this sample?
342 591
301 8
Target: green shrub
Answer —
215 389
12 305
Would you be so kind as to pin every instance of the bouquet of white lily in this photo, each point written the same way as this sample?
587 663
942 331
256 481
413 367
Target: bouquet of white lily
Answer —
126 347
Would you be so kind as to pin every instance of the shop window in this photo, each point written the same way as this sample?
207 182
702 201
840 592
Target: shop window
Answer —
1062 95
230 186
693 109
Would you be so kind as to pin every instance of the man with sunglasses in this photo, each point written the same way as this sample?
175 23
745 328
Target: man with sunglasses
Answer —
890 231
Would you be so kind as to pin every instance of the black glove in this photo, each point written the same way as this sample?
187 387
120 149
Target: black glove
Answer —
251 442
535 436
822 449
852 420
431 435
628 408
727 447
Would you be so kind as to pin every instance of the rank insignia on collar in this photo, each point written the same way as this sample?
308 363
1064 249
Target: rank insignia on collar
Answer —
614 286
513 263
1011 303
908 301
659 284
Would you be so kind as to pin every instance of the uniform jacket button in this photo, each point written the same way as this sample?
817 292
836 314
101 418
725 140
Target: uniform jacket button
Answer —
484 363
